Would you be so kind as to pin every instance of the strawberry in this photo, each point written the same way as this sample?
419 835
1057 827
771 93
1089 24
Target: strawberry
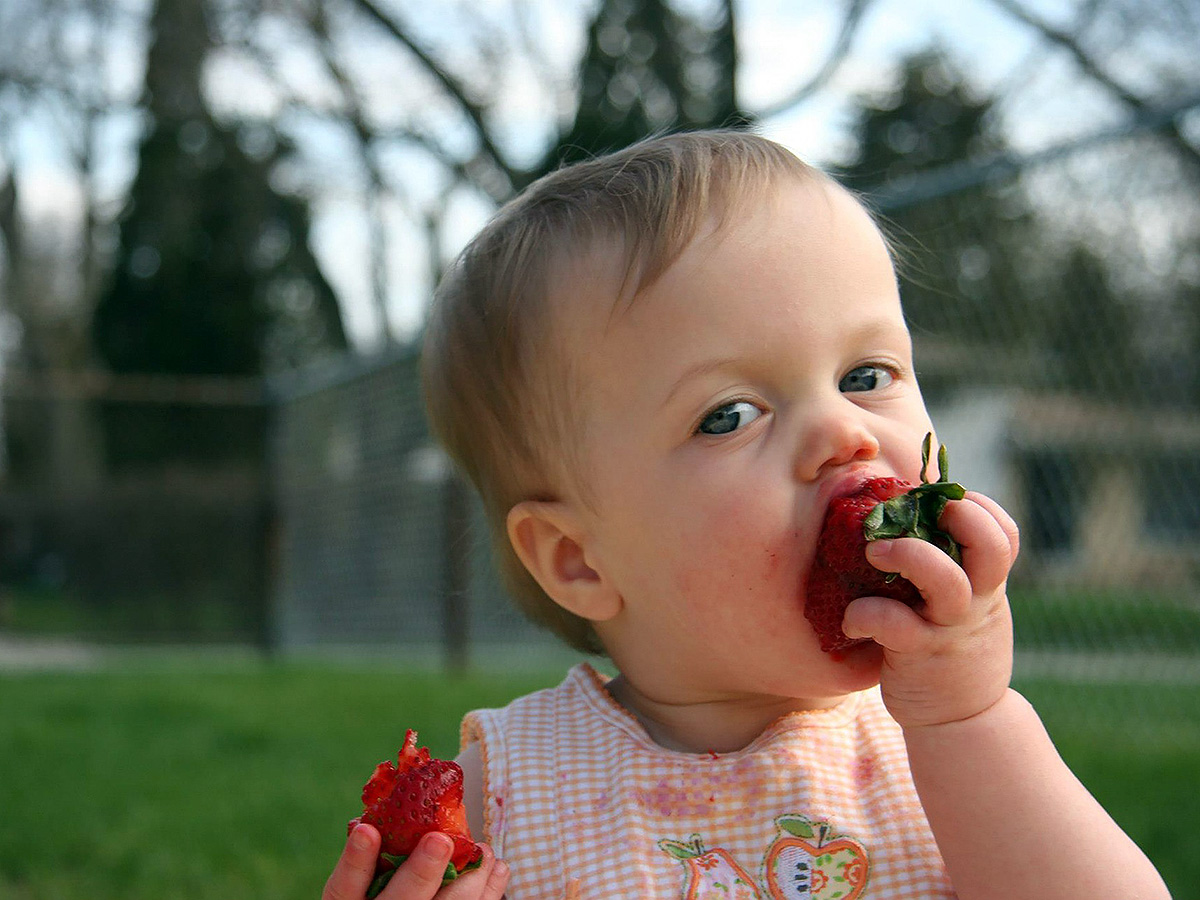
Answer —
410 798
879 508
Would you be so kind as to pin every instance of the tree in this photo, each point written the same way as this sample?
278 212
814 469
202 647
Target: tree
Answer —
961 259
648 68
1093 320
214 275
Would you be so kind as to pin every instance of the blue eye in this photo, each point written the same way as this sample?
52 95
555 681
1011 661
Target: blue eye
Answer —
729 418
865 378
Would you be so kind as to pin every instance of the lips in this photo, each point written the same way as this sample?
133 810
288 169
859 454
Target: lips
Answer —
845 484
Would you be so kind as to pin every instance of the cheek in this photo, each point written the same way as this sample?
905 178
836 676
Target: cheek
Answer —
739 549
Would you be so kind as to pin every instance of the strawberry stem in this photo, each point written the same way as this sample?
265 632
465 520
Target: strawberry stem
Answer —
916 513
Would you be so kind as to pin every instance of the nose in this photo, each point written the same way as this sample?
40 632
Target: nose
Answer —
835 438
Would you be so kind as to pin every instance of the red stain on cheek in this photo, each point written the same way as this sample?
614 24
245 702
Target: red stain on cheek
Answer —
780 552
772 562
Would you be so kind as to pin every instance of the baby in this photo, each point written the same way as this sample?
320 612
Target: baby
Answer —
658 368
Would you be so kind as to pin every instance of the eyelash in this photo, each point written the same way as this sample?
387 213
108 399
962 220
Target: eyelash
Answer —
732 401
892 369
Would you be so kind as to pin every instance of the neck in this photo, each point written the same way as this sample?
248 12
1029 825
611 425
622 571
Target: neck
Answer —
711 725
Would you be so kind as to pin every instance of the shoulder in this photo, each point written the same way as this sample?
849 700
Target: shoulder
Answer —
529 716
471 762
498 744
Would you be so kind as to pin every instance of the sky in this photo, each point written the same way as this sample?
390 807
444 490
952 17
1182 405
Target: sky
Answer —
781 43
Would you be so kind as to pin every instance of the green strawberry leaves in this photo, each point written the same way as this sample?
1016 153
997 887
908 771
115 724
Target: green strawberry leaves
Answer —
916 513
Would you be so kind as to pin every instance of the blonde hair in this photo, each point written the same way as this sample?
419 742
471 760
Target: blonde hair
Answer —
497 390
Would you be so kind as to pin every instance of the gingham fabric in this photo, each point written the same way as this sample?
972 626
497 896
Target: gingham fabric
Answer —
583 805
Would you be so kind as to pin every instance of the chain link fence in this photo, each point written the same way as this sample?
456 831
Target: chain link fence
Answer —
1055 304
379 545
98 551
1055 307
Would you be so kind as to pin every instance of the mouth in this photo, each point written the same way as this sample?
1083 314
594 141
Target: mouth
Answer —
844 485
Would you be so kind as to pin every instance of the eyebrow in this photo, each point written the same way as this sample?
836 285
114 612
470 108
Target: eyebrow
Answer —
869 330
873 329
699 370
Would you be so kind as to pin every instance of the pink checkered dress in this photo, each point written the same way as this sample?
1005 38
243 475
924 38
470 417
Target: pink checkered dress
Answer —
584 806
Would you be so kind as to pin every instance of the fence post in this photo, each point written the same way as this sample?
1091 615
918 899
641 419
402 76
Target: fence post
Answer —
267 625
456 573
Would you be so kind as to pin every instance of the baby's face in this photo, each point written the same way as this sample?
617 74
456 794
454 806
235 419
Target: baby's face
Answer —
768 370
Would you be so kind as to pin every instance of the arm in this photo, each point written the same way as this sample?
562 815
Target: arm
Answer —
470 760
1010 819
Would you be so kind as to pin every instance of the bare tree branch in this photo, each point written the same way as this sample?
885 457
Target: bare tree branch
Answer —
364 139
529 44
840 50
1091 67
474 112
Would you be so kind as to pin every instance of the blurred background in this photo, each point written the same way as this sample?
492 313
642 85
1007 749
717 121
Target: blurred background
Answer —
221 221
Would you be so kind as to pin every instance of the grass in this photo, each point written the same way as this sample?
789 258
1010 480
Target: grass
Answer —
191 784
148 781
1137 748
198 616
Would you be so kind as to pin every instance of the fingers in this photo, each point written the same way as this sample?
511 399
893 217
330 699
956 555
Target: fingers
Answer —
944 586
420 876
355 868
1011 531
417 878
988 539
492 874
987 536
497 881
951 656
889 623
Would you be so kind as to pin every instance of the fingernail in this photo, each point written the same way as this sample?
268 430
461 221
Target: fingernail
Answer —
359 839
437 846
879 549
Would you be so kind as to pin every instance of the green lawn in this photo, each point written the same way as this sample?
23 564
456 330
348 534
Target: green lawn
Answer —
151 781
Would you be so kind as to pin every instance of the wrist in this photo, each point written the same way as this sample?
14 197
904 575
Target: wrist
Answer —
948 716
1005 712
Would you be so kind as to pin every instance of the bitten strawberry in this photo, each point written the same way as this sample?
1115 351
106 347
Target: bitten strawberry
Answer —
880 508
410 798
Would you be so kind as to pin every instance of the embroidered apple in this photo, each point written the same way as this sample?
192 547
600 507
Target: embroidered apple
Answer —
812 862
712 874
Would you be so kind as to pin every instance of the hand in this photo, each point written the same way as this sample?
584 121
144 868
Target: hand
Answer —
418 878
951 658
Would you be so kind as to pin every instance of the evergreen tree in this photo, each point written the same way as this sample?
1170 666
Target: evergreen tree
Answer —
962 258
1090 333
651 68
214 274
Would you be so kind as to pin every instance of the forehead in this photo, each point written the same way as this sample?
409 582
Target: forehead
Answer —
804 229
789 275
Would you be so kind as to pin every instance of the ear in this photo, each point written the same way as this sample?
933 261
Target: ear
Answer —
551 543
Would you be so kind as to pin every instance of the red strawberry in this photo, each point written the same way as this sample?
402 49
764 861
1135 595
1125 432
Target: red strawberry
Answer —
880 508
409 800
